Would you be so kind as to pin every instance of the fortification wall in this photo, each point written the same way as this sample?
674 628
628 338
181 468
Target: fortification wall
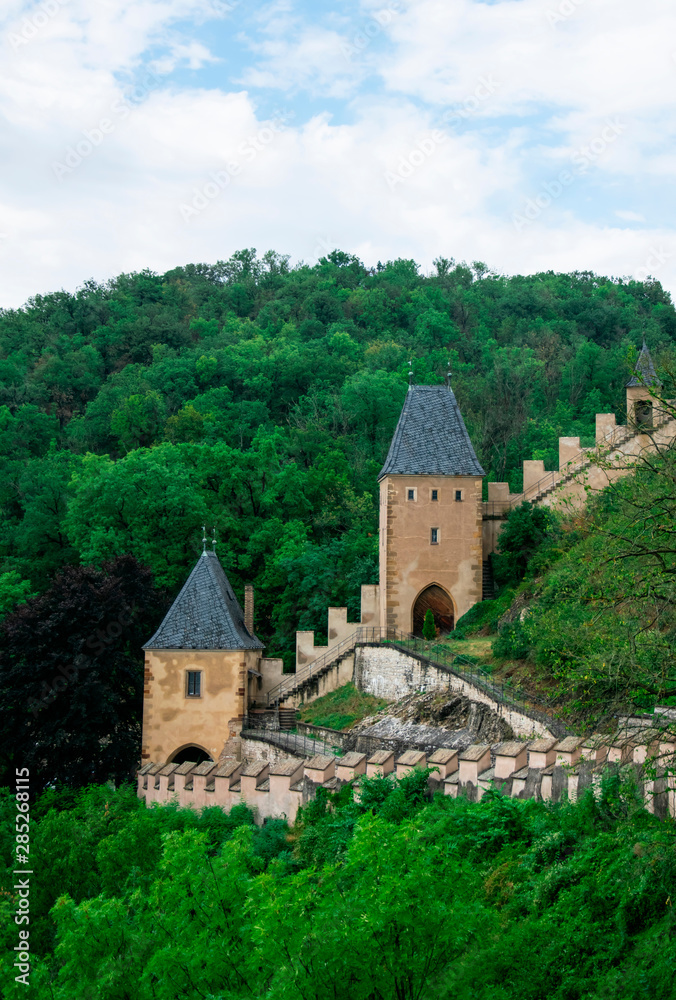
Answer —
338 627
544 769
568 489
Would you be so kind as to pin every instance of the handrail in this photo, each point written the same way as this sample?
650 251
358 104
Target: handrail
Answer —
455 663
295 680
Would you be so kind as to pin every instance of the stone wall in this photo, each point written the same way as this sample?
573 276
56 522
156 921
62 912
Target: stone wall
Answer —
258 750
277 786
389 673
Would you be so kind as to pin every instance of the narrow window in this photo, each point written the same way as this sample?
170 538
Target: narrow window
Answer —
458 495
435 494
411 494
194 683
434 536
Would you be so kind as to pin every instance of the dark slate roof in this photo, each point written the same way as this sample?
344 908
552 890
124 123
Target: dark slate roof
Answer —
644 370
431 438
206 613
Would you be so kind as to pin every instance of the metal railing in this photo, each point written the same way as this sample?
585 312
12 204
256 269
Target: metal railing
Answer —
293 681
296 744
583 458
436 654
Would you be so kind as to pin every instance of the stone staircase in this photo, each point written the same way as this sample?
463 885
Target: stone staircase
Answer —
584 460
293 683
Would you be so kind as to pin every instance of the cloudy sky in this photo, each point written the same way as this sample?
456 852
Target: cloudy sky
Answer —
529 134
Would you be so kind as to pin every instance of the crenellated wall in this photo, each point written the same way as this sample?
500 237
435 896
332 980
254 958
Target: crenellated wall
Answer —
544 769
580 469
339 628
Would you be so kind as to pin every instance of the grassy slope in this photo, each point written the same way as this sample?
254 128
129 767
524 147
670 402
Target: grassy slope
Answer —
341 708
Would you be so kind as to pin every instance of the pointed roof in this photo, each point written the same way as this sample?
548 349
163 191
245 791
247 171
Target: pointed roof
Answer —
431 438
206 613
644 370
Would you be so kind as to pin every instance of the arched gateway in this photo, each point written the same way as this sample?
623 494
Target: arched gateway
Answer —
435 598
193 753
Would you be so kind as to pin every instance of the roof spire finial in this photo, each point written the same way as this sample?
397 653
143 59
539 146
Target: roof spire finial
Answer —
204 538
410 375
448 374
213 540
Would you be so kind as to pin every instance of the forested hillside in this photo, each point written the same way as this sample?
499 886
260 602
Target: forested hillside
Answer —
391 898
261 398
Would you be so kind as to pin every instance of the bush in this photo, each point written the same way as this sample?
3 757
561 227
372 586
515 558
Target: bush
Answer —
525 532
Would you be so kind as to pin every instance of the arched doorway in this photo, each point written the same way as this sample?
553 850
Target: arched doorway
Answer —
192 753
441 605
643 412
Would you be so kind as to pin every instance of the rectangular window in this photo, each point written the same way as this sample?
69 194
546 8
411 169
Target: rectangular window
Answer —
411 494
194 684
458 495
435 495
434 536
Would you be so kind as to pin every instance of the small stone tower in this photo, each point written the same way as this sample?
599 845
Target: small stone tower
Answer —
430 515
196 669
641 403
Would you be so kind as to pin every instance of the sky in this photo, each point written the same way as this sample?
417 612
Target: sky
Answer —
528 134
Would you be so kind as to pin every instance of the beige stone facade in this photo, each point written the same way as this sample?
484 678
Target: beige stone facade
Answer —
425 541
174 720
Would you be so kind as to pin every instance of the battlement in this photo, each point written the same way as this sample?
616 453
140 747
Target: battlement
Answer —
543 769
615 451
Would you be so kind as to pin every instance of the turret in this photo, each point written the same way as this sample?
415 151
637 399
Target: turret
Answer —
196 669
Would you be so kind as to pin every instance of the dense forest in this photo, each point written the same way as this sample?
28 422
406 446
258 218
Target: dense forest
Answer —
391 898
260 399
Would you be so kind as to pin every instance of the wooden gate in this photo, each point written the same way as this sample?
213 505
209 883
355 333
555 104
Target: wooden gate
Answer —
441 605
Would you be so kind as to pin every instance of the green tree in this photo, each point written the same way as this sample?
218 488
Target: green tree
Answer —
526 530
13 591
147 504
429 628
139 420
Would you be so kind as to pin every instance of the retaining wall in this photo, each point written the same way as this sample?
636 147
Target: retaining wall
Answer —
389 673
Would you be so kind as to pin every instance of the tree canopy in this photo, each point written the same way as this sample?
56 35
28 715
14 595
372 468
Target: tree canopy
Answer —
71 675
260 398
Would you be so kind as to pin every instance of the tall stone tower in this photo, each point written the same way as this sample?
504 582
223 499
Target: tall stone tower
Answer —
430 515
196 669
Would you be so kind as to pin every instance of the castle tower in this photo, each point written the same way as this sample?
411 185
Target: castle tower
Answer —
430 515
641 403
196 669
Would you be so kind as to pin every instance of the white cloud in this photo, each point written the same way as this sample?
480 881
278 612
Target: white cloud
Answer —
117 205
628 216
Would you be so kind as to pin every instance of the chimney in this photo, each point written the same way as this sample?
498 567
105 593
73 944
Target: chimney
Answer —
249 608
